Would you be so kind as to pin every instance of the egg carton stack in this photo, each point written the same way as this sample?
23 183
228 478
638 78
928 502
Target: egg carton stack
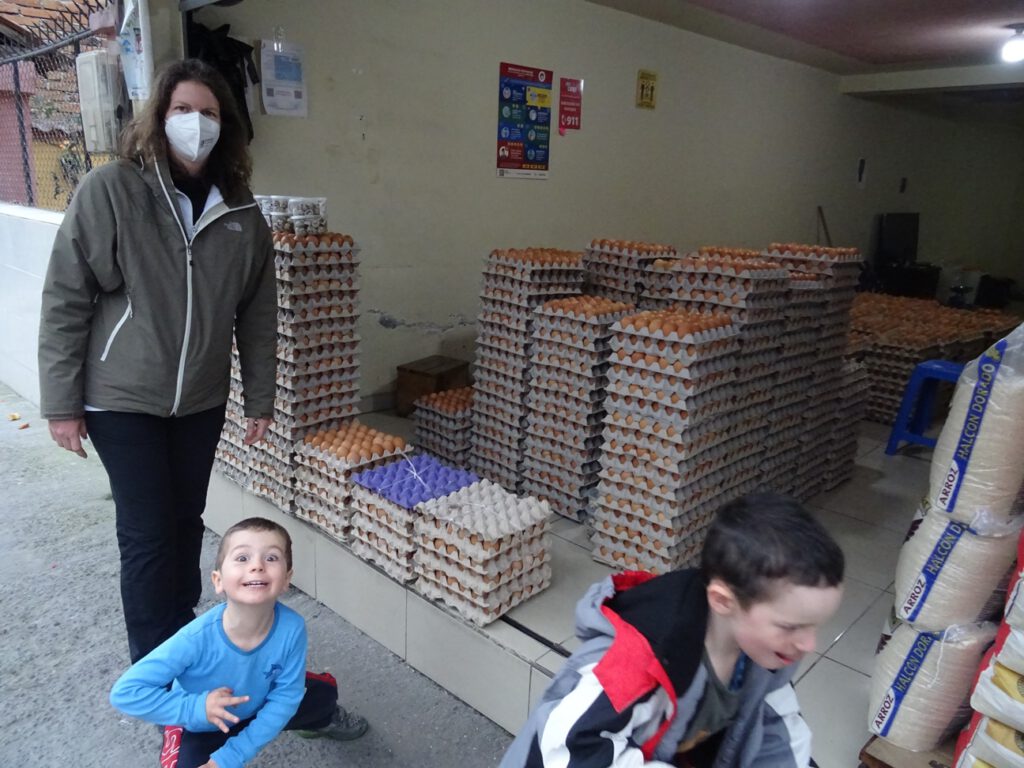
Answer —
481 550
515 282
753 293
616 269
827 278
384 509
850 407
568 366
676 444
896 333
444 421
326 461
231 459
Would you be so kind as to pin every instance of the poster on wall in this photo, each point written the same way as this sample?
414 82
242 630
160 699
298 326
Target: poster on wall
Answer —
570 104
524 121
283 82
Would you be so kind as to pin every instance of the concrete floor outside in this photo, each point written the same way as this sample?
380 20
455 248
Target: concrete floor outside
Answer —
62 640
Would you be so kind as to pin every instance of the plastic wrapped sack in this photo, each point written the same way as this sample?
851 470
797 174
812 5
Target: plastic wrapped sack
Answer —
999 694
921 683
978 466
949 574
993 744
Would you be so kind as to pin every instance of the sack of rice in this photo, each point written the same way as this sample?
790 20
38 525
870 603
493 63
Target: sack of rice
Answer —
978 466
948 573
999 694
993 744
922 681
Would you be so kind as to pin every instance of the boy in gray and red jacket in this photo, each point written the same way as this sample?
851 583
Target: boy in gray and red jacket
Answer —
694 667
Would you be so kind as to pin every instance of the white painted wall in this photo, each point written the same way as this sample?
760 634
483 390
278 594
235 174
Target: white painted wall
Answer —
742 147
26 237
401 139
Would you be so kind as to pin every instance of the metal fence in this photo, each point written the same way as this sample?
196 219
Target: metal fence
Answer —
43 153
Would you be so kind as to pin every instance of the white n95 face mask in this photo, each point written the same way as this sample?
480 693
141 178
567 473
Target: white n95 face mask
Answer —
192 136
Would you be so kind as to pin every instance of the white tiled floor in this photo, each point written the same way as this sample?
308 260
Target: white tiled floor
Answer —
502 670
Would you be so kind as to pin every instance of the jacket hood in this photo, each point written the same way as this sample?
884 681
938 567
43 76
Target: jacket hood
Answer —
670 611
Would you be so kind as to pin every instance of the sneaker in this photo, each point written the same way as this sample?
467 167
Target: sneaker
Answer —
344 726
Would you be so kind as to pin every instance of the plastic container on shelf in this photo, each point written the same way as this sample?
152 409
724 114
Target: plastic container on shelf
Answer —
305 206
307 224
281 222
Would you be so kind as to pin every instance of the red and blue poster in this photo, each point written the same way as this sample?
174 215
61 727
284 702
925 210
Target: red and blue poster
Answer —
524 122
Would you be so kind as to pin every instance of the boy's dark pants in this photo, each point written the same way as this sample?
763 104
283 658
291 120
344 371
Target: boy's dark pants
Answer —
315 712
159 470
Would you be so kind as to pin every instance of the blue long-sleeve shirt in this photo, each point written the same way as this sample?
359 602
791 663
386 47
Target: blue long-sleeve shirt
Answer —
200 658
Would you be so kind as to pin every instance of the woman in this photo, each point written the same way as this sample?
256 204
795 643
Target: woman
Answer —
161 255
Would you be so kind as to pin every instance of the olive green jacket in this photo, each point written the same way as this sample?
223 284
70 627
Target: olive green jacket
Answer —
138 317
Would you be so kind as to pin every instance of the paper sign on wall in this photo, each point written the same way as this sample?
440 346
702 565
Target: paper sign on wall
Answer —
524 121
283 85
570 104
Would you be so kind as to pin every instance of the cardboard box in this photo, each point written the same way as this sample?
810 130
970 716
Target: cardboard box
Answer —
431 374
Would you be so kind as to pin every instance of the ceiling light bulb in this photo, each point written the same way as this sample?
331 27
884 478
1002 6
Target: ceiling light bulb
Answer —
1013 49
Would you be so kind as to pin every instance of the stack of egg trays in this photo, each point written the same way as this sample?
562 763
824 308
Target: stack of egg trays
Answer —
443 433
566 396
384 501
512 289
851 406
617 270
323 486
481 550
318 348
231 458
685 392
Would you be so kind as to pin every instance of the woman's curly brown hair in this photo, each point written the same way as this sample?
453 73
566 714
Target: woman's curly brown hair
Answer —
229 165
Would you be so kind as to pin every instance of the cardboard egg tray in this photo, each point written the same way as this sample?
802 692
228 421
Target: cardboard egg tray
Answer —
379 553
487 345
542 399
516 321
590 355
335 291
269 488
317 305
495 604
386 534
495 332
568 339
316 379
499 408
559 387
537 283
574 506
659 537
328 509
295 432
577 361
674 351
291 353
306 314
649 491
315 334
239 475
612 552
440 567
567 476
285 261
429 412
483 520
633 258
532 259
327 525
340 468
559 453
701 369
714 449
500 364
452 439
457 456
313 273
496 435
496 456
550 429
532 273
497 473
292 426
313 368
298 392
527 302
330 489
477 591
571 379
304 408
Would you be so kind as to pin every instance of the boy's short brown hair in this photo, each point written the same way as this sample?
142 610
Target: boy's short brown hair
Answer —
254 524
760 539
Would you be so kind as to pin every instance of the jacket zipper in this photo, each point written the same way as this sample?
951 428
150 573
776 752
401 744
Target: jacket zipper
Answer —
113 334
188 282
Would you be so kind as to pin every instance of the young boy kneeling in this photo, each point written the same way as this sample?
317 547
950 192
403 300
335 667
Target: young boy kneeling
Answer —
693 668
235 677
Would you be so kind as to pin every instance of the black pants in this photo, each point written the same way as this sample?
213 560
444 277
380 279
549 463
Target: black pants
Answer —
159 470
188 749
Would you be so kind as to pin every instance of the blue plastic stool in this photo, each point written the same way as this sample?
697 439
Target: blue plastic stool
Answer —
918 399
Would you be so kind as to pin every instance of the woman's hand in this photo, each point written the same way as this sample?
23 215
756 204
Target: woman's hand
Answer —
254 429
209 764
68 434
217 702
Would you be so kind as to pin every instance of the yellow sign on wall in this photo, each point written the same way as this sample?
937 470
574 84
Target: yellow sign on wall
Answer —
646 89
538 97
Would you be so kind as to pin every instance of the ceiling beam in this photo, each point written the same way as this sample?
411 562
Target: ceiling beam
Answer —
924 80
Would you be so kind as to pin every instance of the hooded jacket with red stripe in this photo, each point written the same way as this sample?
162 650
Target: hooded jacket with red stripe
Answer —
627 694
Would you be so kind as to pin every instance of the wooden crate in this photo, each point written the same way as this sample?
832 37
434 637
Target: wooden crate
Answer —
430 374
